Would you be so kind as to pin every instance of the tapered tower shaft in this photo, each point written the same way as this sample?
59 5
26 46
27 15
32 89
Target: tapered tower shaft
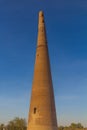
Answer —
42 114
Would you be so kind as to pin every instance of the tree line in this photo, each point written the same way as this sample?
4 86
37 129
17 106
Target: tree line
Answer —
21 124
73 126
15 124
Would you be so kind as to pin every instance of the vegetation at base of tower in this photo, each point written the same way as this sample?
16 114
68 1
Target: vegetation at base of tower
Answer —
15 124
21 124
73 126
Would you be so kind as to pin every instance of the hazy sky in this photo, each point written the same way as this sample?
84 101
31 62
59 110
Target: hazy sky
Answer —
66 24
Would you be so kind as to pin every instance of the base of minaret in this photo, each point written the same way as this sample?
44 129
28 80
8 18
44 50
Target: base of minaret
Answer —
42 127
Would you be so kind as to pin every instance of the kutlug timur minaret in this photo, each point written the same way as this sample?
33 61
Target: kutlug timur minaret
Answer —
42 114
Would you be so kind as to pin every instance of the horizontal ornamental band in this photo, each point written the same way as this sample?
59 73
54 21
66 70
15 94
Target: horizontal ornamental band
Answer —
42 45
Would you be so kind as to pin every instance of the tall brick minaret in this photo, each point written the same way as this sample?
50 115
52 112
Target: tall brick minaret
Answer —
42 114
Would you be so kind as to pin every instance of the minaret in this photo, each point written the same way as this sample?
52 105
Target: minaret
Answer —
42 114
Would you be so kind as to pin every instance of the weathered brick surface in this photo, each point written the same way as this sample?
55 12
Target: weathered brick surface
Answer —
42 114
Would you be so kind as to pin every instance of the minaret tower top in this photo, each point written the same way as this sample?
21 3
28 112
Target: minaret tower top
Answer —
41 30
41 18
